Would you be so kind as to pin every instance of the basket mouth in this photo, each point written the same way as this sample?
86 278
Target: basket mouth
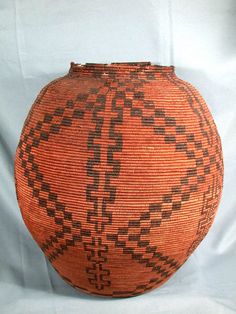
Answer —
120 67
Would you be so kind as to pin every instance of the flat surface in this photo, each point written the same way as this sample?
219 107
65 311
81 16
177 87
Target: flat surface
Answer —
38 40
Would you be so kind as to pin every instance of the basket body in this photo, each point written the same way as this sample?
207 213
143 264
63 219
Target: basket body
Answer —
119 174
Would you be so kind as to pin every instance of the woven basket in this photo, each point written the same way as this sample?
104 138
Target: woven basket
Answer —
119 174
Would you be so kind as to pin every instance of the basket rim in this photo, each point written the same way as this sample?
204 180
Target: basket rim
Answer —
139 66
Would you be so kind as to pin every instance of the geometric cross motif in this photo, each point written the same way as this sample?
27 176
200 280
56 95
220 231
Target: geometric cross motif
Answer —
209 206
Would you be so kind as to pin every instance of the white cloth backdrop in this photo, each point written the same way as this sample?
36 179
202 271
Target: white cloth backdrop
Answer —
38 39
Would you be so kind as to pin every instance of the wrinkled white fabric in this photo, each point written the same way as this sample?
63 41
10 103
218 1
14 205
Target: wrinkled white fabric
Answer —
38 40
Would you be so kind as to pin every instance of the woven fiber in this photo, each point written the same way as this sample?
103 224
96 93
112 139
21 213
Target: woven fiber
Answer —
119 174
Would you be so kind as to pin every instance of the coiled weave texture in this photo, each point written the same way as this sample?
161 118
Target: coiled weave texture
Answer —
119 174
